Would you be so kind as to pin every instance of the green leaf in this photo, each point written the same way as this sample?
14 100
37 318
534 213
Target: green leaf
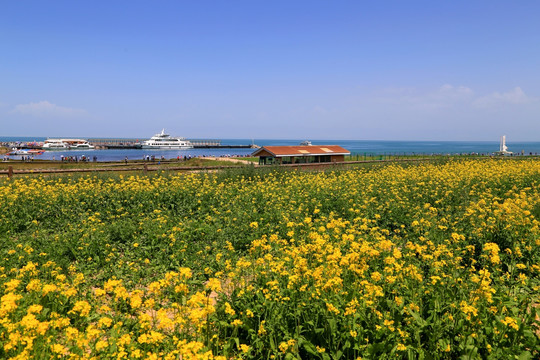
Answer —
332 323
525 356
273 343
309 347
418 318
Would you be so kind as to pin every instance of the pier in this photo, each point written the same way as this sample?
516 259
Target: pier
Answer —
205 143
136 144
115 143
119 143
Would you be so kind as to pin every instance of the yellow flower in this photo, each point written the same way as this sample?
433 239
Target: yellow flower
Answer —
135 301
262 330
101 344
33 285
48 288
213 284
493 249
376 276
12 284
71 333
510 322
34 309
124 340
8 303
105 322
59 349
229 310
331 308
81 307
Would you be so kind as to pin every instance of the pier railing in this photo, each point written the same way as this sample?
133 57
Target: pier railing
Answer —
136 143
114 143
205 143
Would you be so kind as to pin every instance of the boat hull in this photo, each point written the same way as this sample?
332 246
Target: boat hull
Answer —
170 147
54 148
81 147
25 152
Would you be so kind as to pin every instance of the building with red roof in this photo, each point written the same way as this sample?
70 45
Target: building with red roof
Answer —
308 154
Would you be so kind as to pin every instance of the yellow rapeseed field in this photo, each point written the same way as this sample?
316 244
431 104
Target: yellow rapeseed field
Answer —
435 260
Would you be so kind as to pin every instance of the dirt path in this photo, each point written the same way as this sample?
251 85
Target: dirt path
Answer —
231 159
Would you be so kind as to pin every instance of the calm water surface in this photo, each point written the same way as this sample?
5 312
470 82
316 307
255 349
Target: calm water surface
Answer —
376 147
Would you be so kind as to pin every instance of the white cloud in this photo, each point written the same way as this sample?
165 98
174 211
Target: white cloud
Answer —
460 91
46 109
320 110
443 97
449 96
514 96
399 90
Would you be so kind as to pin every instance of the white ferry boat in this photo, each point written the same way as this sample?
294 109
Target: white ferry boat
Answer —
54 144
165 141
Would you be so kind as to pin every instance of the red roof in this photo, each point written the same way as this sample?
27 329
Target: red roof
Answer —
310 150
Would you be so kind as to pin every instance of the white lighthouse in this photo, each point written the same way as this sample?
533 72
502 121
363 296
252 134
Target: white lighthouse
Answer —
503 149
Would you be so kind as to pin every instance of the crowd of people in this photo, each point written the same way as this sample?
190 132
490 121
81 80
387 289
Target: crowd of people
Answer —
82 158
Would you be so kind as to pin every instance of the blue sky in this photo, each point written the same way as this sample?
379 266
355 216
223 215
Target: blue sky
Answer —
385 70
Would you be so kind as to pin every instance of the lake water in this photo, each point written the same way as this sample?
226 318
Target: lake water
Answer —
361 147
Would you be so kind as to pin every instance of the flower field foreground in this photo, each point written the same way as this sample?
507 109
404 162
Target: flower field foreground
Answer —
425 261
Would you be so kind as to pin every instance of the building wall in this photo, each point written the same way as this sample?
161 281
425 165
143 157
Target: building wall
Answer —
263 152
338 158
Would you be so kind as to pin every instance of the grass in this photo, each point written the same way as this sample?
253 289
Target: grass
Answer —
45 164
